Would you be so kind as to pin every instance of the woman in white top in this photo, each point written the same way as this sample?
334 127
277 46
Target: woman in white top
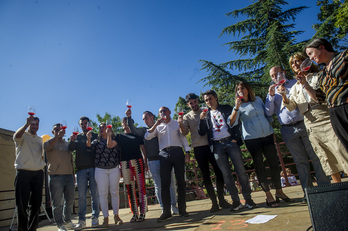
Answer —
326 144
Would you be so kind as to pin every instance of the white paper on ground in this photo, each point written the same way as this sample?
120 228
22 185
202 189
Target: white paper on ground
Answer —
260 219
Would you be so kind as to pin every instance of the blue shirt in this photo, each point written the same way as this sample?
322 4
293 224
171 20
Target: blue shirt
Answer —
273 106
255 124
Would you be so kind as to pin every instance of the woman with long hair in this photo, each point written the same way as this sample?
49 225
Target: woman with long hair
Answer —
326 144
107 173
257 134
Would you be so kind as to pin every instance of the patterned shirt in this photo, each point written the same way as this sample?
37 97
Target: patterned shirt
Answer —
334 82
105 157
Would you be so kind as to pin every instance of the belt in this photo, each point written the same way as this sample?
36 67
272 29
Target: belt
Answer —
293 124
170 148
224 140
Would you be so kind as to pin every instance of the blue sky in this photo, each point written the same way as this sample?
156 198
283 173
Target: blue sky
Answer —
79 58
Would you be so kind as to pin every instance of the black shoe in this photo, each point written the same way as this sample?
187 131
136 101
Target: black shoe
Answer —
250 204
224 204
272 204
164 217
286 199
214 208
236 206
134 218
304 201
184 214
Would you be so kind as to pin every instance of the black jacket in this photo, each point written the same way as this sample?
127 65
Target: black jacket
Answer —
226 112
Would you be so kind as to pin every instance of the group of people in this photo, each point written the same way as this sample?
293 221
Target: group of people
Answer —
312 111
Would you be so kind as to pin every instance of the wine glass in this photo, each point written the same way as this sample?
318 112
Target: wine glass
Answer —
129 103
108 124
63 124
306 64
75 132
89 126
31 110
281 78
163 116
204 107
180 111
240 95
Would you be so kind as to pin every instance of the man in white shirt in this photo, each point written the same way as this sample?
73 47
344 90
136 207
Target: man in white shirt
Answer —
29 166
171 156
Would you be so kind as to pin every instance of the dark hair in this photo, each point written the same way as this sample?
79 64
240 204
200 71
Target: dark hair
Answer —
251 93
36 118
210 92
84 118
191 96
56 125
316 43
150 113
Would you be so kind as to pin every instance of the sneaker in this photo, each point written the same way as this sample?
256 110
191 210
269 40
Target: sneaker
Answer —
69 225
214 208
95 222
80 225
224 204
61 228
236 206
250 204
175 210
164 217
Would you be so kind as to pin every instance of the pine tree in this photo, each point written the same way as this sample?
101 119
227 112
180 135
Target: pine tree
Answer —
266 40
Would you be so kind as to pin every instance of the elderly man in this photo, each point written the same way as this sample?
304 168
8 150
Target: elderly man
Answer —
171 155
294 132
29 166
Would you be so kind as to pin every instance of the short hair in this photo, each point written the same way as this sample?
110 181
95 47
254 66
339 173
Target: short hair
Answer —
56 125
191 96
84 118
251 93
36 118
302 56
210 92
150 113
316 43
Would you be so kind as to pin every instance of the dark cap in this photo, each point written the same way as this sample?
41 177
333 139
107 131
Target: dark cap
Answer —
191 96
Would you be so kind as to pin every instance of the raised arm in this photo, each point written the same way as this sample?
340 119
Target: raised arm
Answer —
19 133
111 143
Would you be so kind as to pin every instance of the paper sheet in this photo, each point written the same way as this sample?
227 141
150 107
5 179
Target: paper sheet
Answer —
260 219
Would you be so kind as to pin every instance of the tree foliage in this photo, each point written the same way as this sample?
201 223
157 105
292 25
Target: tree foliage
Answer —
263 40
116 122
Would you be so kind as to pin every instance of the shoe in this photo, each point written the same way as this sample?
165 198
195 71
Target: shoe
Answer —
164 217
224 204
134 218
236 206
80 225
105 222
214 208
69 225
95 222
175 210
184 214
141 217
250 204
304 201
272 204
62 228
117 219
286 199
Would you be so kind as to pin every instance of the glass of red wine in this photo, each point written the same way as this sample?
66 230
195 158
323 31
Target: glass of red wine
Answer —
89 126
129 104
75 132
281 78
63 124
31 110
180 111
240 95
108 124
306 65
204 107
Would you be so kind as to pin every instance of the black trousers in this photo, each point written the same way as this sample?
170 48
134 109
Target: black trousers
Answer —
339 121
203 157
28 191
169 159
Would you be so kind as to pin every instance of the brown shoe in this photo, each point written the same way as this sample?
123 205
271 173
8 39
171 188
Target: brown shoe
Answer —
105 222
117 219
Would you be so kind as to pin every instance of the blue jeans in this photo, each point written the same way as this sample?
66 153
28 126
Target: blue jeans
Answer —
62 186
297 141
223 151
85 179
154 166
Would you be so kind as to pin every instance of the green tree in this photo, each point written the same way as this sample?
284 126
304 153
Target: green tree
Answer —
266 40
116 122
332 24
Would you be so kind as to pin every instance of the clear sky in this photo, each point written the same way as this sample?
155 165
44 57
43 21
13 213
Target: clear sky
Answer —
83 57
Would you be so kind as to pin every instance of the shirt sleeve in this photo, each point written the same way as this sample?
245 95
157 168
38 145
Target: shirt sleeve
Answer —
149 136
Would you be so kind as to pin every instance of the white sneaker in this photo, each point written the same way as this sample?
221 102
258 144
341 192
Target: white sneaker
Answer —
70 225
80 225
175 210
62 228
95 222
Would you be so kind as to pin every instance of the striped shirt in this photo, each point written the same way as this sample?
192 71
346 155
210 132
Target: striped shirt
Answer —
334 82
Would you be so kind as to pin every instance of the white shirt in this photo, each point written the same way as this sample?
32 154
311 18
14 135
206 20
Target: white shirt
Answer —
168 135
220 129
